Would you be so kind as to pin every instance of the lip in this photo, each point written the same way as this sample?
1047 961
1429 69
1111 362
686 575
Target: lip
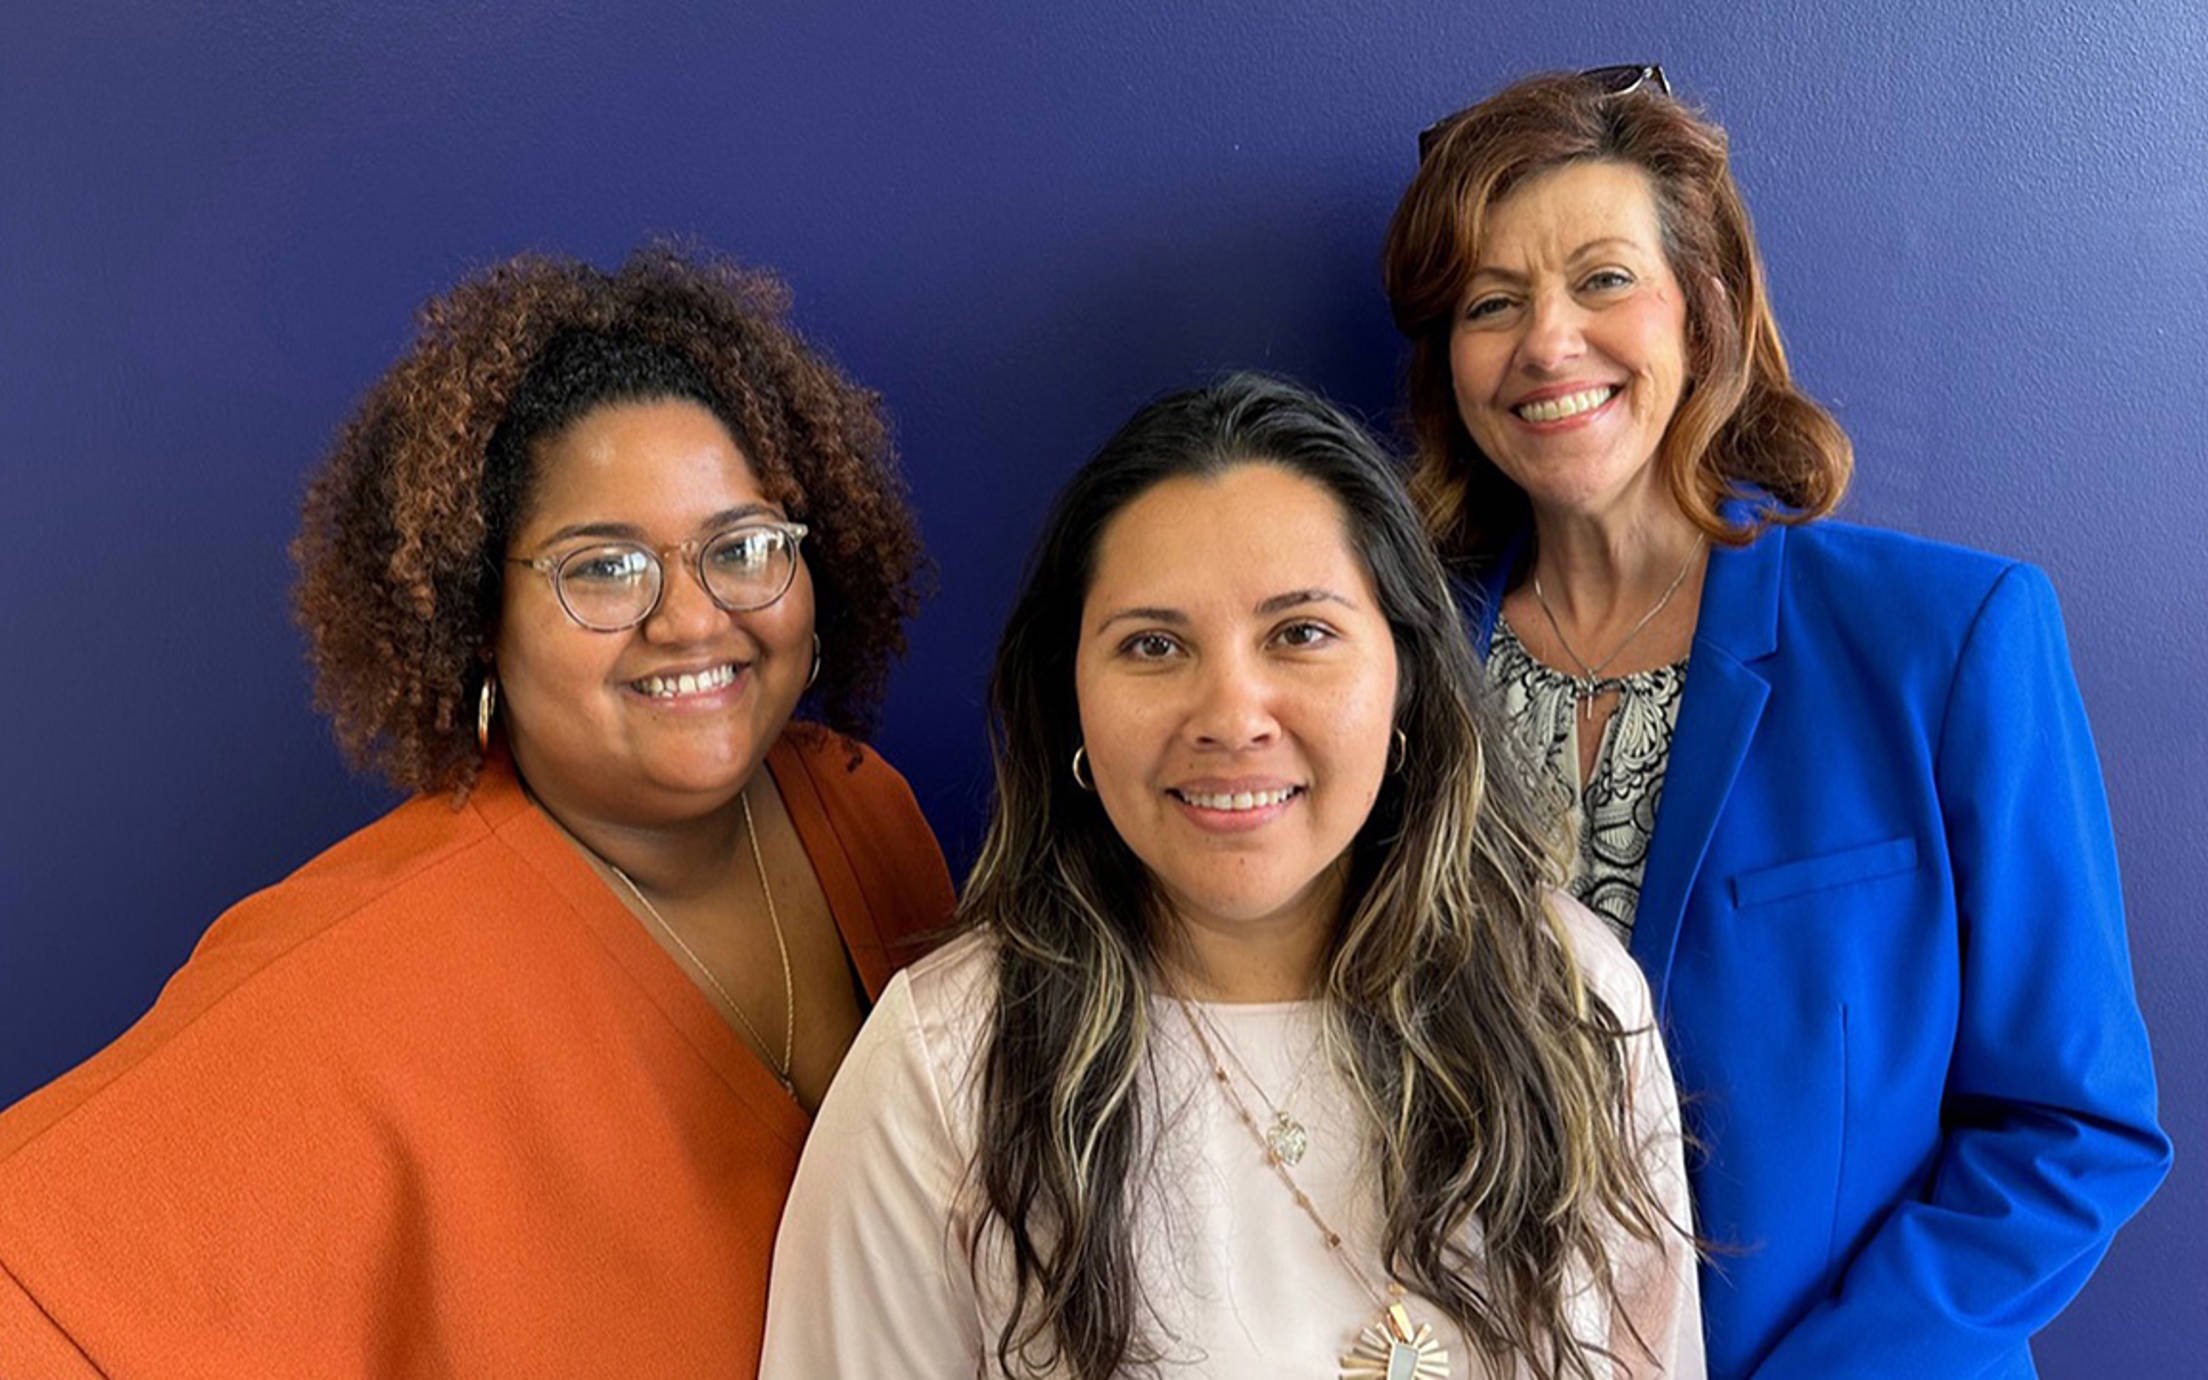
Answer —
1562 390
697 700
1234 821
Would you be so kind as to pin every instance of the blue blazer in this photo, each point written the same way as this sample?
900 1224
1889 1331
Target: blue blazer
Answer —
1882 920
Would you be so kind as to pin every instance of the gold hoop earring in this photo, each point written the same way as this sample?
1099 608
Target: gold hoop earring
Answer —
486 705
1080 757
814 674
1402 752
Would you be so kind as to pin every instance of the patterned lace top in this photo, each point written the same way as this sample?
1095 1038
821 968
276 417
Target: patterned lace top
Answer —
1616 813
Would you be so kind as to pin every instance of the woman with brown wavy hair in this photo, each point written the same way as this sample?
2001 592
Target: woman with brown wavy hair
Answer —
513 1080
1833 785
1270 1051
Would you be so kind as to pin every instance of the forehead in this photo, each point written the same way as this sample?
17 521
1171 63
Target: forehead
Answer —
1256 530
666 460
1554 213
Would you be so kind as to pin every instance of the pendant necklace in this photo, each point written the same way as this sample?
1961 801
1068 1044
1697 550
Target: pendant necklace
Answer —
780 1068
1589 684
1391 1348
1285 1136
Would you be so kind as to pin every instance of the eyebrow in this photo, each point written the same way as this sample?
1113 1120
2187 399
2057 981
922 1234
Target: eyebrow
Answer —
1278 603
1606 241
626 531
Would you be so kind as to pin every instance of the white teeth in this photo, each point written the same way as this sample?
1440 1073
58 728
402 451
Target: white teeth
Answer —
691 683
1570 405
1238 800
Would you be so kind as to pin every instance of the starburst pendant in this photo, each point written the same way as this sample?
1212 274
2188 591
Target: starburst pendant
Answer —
1391 1349
1286 1139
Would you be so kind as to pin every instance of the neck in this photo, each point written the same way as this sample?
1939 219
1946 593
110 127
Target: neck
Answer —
1596 568
667 861
1279 958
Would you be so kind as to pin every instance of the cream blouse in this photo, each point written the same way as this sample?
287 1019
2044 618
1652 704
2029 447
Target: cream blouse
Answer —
872 1277
1614 816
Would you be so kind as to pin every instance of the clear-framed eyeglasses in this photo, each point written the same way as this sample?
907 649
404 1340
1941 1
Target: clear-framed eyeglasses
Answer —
613 586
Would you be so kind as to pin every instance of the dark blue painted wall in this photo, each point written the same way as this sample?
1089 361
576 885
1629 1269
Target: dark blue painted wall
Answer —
1984 224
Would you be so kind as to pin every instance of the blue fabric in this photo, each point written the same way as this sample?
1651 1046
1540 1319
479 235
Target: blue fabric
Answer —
1883 922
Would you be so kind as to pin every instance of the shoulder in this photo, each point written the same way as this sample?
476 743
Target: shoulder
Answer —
842 767
280 972
849 804
1604 965
919 1054
953 993
1905 575
865 799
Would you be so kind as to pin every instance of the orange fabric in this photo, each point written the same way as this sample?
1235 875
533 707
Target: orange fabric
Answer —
437 1105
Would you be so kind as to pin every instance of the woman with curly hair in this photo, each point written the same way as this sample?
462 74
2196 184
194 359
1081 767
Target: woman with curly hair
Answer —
1833 785
513 1081
1271 1051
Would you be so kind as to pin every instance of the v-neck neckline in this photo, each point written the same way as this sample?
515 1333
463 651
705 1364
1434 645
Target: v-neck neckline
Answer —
523 824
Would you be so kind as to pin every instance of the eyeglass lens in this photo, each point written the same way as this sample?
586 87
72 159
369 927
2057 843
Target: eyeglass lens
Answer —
617 585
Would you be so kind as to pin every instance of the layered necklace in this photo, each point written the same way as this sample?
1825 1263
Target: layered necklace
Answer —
1284 1137
1391 1348
1589 684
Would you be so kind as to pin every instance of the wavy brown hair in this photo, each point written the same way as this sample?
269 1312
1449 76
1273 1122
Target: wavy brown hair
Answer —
1741 425
1497 1082
405 524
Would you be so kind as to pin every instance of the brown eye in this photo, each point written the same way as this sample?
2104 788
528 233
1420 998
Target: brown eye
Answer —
1149 646
1304 634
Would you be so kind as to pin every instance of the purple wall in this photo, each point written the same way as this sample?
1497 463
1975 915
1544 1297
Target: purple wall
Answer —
1983 223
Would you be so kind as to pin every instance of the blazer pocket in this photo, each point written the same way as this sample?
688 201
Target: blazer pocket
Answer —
1762 885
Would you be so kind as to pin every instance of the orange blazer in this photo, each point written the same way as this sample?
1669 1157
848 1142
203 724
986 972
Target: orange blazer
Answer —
437 1105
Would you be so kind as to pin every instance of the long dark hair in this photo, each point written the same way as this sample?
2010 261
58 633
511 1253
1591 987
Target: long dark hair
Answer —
1497 1081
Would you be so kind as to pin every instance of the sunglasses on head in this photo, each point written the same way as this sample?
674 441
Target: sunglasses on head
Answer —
1617 80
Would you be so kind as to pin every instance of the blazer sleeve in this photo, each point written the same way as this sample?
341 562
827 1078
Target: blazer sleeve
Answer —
870 1275
33 1346
2051 1139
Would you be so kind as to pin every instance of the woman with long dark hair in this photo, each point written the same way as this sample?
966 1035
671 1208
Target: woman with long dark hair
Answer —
1270 1049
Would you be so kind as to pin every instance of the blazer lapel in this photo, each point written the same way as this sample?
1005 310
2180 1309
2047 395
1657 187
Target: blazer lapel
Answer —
1737 626
1479 594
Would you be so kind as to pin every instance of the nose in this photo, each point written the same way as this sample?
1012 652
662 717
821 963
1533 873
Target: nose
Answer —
1555 334
686 613
1233 710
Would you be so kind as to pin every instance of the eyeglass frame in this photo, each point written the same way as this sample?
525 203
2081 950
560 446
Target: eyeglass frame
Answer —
693 550
1617 79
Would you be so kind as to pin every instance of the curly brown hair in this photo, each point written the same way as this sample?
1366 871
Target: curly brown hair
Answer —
404 529
1741 424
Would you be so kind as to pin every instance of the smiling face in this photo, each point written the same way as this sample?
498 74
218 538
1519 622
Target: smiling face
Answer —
600 722
1236 680
1569 351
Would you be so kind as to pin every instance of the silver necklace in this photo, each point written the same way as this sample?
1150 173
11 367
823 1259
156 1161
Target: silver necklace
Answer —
781 1071
1391 1348
1590 683
1285 1135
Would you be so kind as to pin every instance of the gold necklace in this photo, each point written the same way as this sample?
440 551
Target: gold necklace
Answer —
1285 1136
781 1072
1392 1348
1590 684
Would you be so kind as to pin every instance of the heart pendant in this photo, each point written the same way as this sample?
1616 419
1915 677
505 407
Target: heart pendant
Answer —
1286 1140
